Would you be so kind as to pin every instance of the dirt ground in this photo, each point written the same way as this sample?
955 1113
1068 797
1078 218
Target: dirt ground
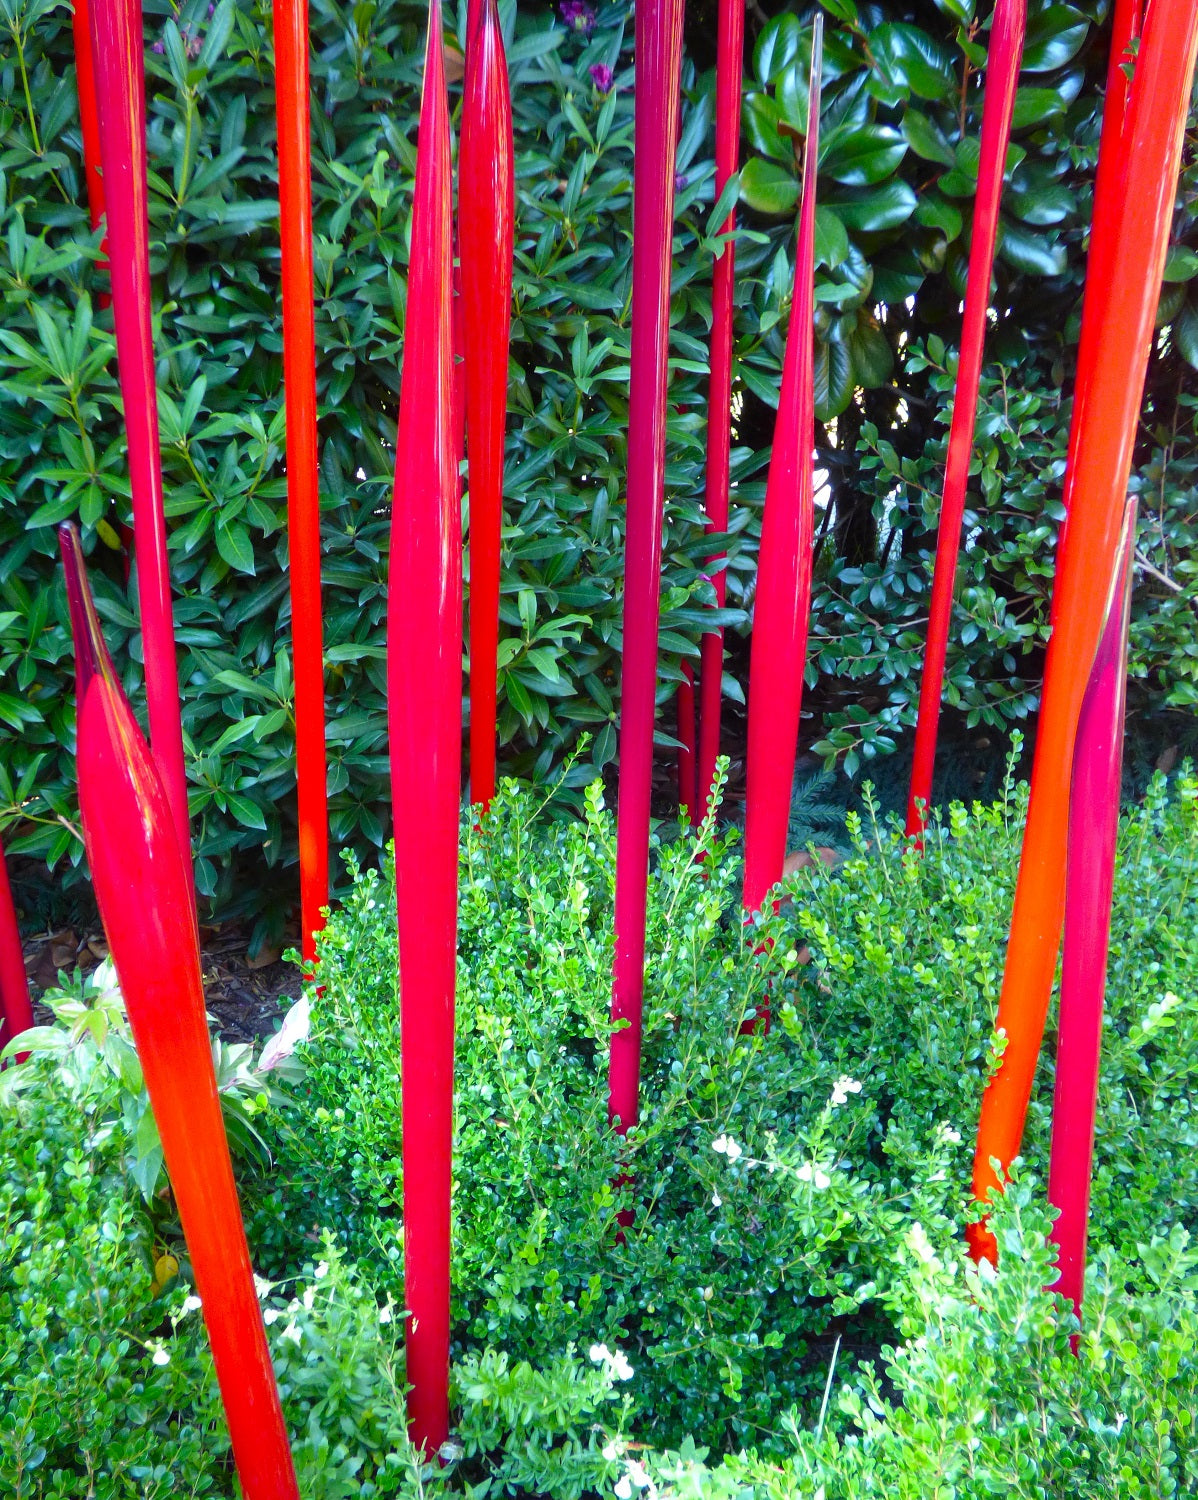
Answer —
245 997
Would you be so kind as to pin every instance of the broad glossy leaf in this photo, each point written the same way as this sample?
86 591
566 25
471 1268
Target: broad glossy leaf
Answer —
926 138
873 211
911 59
831 238
833 378
863 157
768 187
1053 38
1031 253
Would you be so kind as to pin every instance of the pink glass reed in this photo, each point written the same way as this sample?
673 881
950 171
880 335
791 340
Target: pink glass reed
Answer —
658 66
424 712
486 215
1002 79
16 1013
1094 795
118 54
778 654
730 51
143 889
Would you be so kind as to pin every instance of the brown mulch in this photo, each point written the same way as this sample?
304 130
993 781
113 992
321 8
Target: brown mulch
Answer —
246 996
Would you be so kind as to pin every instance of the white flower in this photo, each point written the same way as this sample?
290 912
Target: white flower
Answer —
190 1305
621 1369
623 1488
716 1200
161 1357
809 1172
842 1088
292 1332
724 1145
261 1287
612 1450
948 1134
708 1293
309 1299
271 1315
297 1023
597 1353
720 1144
636 1472
385 1314
322 1270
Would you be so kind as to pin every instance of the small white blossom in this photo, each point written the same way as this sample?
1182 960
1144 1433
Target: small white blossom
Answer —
597 1353
309 1299
385 1314
293 1333
949 1135
720 1144
716 1200
842 1088
190 1305
322 1270
621 1369
708 1293
261 1286
809 1172
623 1488
161 1357
636 1472
612 1450
271 1315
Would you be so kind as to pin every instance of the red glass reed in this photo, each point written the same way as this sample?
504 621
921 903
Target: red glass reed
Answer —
1002 78
658 67
143 889
688 798
424 711
778 653
17 1013
486 216
1090 879
117 50
303 484
89 114
1117 324
730 52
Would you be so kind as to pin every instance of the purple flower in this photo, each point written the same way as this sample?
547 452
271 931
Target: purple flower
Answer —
601 77
680 181
158 47
578 16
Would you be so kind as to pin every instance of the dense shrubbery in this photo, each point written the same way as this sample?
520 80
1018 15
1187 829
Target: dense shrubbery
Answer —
893 227
793 1284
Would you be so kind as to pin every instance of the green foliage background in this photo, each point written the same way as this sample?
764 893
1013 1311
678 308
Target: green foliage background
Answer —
899 152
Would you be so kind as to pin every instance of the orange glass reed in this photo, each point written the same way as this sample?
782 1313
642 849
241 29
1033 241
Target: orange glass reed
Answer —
424 714
1117 323
16 1013
658 67
730 53
1002 78
778 653
486 215
143 890
118 55
303 484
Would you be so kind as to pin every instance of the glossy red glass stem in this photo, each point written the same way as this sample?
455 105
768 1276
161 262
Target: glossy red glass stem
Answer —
1002 79
143 890
778 652
688 798
117 51
424 713
730 52
16 1013
89 114
303 482
1116 335
486 218
1094 796
658 67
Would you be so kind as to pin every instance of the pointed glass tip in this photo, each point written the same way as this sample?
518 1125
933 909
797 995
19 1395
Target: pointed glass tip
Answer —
91 654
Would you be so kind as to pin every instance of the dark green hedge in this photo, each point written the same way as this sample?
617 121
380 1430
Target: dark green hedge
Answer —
893 232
